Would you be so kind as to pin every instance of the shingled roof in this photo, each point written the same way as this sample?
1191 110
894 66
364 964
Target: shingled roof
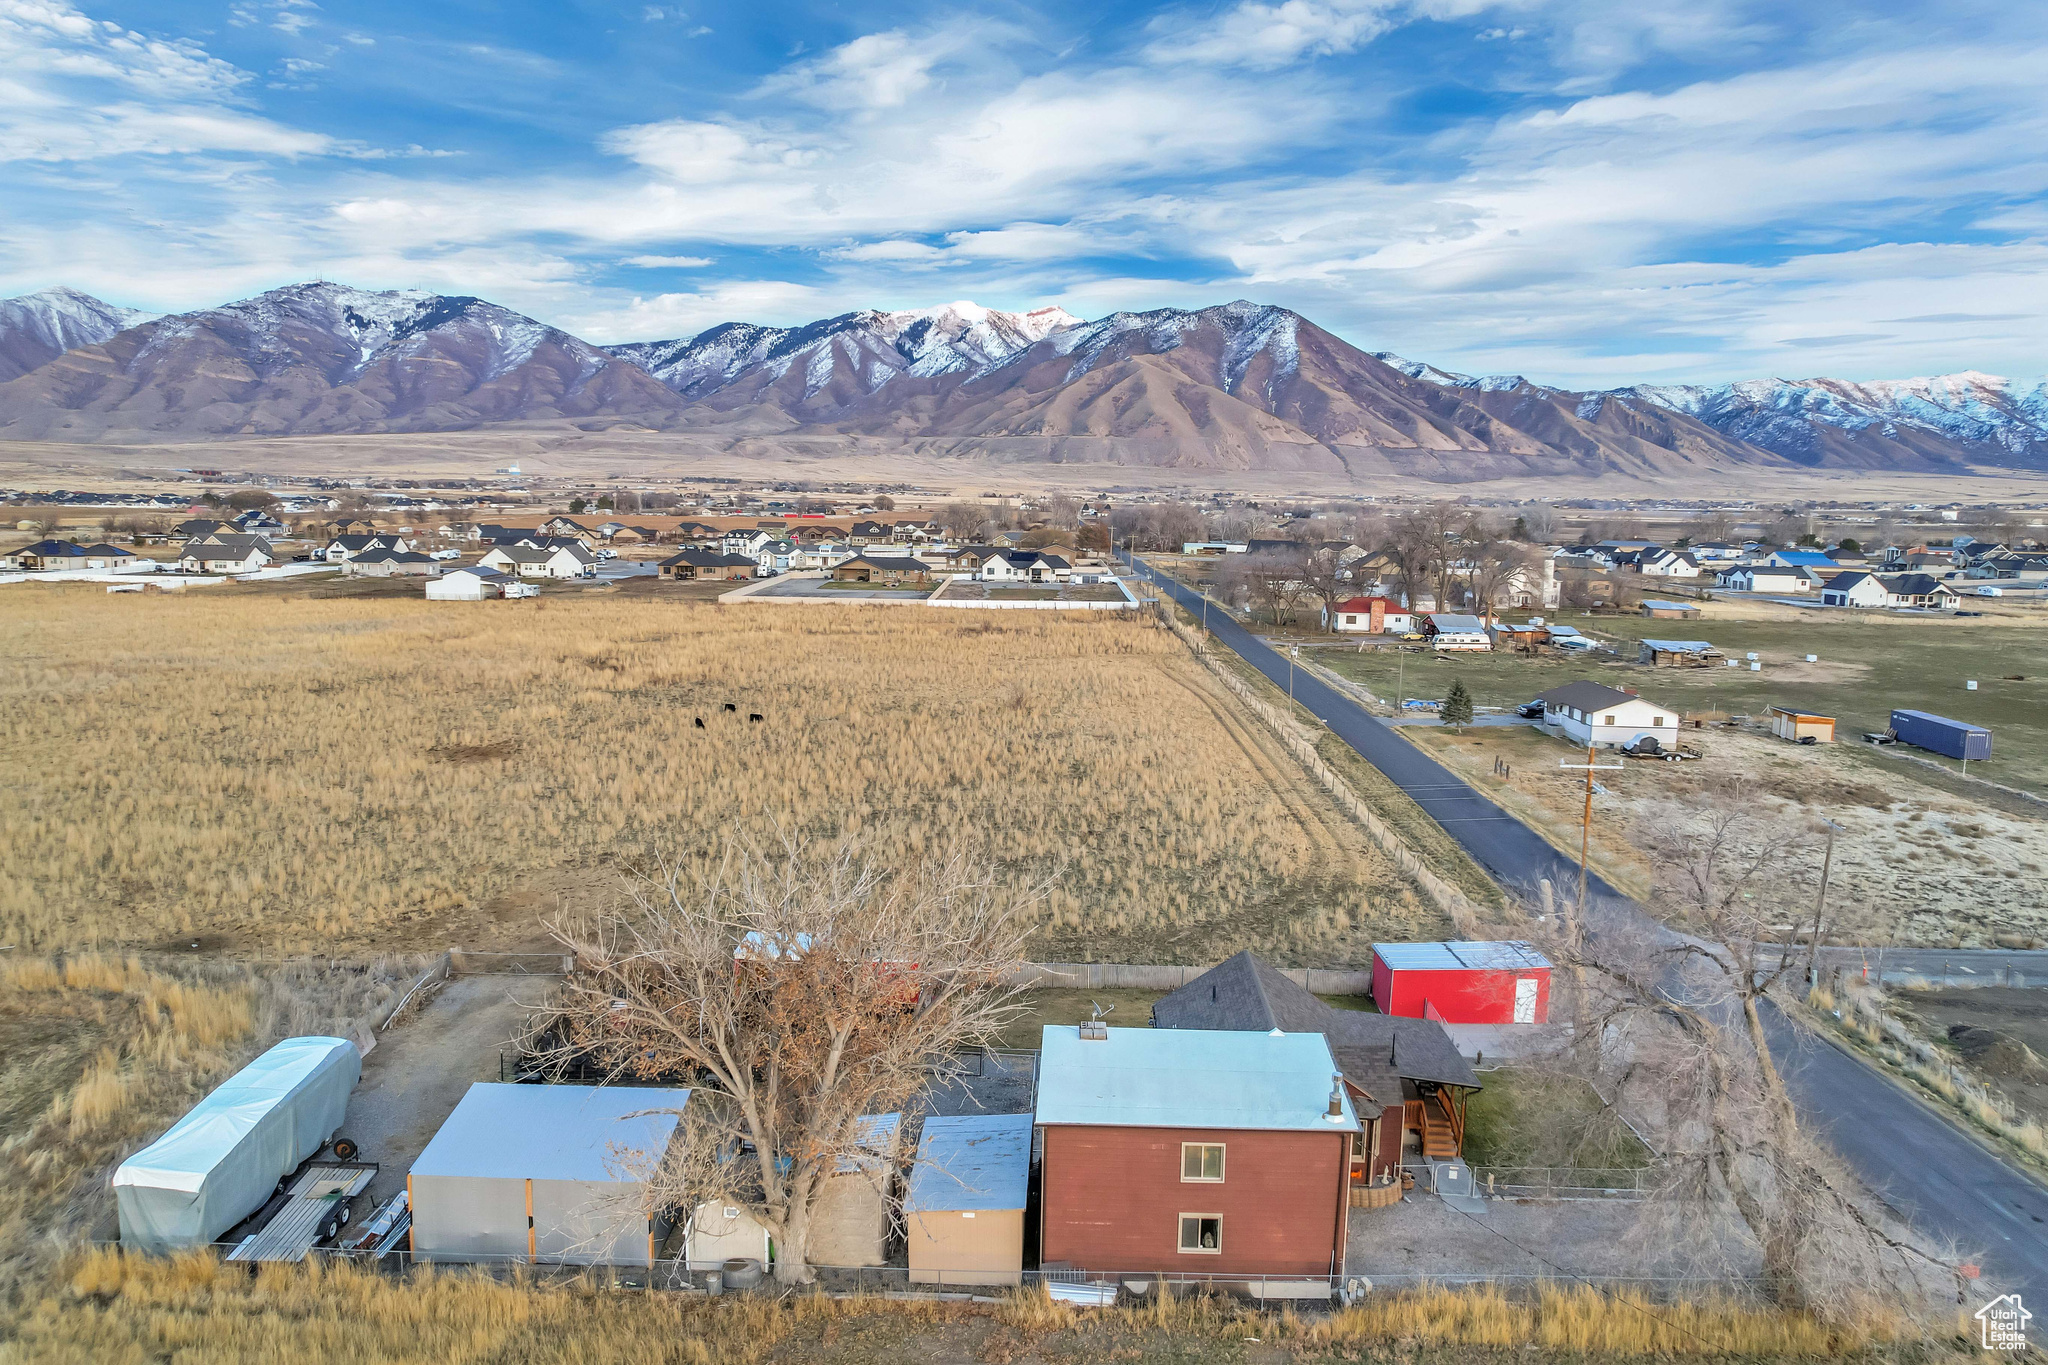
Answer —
1376 1052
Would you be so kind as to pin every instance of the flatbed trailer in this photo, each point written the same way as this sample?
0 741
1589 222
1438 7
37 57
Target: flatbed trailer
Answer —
318 1206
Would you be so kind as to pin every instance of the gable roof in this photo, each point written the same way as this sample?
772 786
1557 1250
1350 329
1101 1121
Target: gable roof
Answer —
1451 621
1842 582
242 543
1363 605
1374 1051
1800 559
897 563
50 548
1585 696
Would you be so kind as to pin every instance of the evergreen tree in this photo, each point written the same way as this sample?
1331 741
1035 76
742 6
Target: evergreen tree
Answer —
1458 705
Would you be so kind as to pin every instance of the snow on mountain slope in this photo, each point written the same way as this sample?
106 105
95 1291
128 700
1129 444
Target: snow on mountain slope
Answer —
37 328
877 346
322 357
1814 419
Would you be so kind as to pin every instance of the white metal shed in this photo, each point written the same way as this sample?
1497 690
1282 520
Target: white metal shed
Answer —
544 1173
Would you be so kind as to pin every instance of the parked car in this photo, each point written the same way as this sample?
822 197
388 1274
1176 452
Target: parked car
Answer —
607 552
445 554
1530 710
1988 591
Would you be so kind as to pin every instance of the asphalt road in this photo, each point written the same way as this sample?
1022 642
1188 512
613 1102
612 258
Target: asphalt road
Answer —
1930 1172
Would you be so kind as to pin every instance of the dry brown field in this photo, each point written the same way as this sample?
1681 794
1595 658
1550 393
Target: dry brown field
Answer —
259 774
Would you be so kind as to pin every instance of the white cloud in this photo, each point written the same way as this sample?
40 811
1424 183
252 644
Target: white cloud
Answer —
874 71
686 314
1264 36
668 262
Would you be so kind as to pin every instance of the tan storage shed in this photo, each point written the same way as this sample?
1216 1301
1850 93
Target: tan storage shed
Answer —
1801 726
964 1213
551 1173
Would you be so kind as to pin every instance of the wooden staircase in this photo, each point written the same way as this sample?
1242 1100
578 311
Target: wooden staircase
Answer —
1441 1125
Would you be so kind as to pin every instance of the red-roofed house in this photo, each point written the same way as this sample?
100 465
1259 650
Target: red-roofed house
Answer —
1369 615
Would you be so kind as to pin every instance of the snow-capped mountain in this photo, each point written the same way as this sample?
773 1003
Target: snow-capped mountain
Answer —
952 339
1987 417
326 358
37 328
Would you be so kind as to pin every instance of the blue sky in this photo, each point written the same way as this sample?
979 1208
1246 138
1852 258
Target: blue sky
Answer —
1591 192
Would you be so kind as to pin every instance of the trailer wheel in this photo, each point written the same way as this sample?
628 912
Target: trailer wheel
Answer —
346 1149
344 1213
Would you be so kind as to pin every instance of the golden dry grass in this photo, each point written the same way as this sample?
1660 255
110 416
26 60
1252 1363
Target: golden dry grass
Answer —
98 1053
288 773
115 1310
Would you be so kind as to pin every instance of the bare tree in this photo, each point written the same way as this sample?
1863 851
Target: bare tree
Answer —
963 520
1418 551
1717 525
1540 522
1498 570
1328 581
794 992
1277 582
1679 1020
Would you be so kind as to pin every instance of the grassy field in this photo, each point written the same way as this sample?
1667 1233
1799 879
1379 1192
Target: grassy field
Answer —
1525 1118
263 772
1867 667
116 1310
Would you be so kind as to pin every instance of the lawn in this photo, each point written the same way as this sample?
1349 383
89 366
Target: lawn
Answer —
1526 1118
1866 667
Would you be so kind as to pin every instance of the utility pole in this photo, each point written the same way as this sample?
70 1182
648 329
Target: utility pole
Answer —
1586 826
1827 863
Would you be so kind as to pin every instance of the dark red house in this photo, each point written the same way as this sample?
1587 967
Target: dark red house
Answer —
1197 1153
1406 1078
1466 982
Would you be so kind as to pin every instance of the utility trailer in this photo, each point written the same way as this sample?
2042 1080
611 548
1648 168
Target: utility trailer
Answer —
317 1206
1649 746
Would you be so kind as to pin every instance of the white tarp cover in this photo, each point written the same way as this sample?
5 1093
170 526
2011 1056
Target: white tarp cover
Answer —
219 1163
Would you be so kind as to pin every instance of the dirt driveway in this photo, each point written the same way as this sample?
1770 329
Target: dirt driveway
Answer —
423 1067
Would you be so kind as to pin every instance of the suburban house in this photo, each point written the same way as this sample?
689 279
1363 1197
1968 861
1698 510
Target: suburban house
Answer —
1450 630
344 548
1370 615
1858 589
197 528
257 522
690 565
1765 578
744 541
1657 563
225 553
1801 559
868 533
1023 566
1192 1151
1406 1078
563 526
526 561
47 554
391 564
881 570
1590 713
108 557
777 556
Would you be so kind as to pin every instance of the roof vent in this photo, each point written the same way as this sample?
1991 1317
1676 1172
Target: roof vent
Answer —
1335 1114
1277 1033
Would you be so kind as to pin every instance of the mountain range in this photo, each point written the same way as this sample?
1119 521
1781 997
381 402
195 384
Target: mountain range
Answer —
1234 387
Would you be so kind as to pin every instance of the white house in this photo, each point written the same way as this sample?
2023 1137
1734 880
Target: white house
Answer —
1024 566
221 553
740 541
1357 614
1589 713
1853 590
343 548
1764 578
1668 564
525 561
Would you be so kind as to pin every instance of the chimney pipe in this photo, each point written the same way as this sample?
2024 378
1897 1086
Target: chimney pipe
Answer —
1336 1110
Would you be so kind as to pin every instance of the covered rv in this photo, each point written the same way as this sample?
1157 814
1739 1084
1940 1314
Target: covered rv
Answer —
552 1173
219 1163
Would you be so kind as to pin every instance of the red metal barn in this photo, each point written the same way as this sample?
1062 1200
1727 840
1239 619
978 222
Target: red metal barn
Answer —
1464 982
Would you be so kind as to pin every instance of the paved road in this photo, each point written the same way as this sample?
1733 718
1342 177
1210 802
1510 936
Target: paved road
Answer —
1922 1165
1512 853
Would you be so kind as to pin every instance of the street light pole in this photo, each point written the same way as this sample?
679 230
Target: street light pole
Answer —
1586 826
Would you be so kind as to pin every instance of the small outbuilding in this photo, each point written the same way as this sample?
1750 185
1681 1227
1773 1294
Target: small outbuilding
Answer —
552 1173
963 1215
1678 654
1462 982
850 1221
470 584
1801 727
1670 611
1940 735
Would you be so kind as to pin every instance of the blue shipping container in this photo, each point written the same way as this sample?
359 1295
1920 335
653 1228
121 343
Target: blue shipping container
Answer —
1941 735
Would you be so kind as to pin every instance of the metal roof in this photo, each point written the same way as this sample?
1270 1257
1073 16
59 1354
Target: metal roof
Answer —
974 1161
1460 955
874 1137
1658 604
554 1132
1681 646
1188 1078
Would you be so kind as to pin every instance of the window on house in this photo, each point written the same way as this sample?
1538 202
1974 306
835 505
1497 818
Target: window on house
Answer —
1201 1161
1608 721
1201 1233
1656 720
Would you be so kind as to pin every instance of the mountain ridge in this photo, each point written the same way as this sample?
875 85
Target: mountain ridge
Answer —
1235 386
